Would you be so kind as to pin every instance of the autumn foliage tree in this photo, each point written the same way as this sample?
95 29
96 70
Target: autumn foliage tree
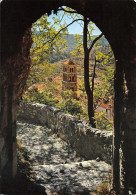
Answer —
48 40
87 40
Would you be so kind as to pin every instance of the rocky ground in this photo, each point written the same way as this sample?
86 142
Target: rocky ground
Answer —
57 166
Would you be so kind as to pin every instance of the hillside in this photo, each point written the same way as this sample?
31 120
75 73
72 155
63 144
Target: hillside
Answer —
57 57
71 41
71 45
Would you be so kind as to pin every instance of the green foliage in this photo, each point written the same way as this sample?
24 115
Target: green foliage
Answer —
79 46
82 85
69 104
102 122
57 56
39 73
90 38
45 97
46 41
105 55
50 45
105 89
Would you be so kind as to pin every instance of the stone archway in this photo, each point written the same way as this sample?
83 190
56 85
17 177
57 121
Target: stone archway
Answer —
116 19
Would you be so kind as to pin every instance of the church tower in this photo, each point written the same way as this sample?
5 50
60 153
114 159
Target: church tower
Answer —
70 76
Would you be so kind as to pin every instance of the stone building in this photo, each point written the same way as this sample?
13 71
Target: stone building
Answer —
106 107
70 76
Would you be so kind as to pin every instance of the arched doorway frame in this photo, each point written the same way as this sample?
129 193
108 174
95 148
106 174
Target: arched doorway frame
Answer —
112 18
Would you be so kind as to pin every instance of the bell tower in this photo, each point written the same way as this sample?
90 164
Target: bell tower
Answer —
70 76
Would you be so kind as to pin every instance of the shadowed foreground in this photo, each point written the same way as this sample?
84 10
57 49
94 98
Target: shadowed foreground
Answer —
57 167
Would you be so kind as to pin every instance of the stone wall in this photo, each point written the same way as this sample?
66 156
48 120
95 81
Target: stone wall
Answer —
87 141
13 75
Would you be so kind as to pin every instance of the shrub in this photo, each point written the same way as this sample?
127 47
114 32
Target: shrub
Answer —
102 122
45 97
71 106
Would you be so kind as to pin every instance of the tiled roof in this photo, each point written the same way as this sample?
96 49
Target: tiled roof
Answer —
106 105
69 62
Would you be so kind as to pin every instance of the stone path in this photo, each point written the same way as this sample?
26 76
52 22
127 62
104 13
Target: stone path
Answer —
57 166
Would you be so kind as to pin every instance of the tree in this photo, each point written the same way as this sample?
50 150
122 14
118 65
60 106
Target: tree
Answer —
104 90
102 122
87 31
89 90
69 104
43 97
46 40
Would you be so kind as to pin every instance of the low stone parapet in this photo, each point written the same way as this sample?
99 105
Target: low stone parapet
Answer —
90 142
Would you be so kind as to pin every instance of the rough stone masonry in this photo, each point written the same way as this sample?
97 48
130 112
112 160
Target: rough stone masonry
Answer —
57 167
87 141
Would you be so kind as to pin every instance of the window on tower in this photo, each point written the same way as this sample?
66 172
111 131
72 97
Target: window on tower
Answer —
65 78
73 78
69 78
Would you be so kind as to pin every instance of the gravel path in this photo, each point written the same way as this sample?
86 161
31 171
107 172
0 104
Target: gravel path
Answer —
56 165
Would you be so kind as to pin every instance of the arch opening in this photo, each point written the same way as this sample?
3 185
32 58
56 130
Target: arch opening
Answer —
37 88
124 53
101 53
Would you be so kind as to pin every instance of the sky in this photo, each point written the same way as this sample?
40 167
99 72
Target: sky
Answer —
74 28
